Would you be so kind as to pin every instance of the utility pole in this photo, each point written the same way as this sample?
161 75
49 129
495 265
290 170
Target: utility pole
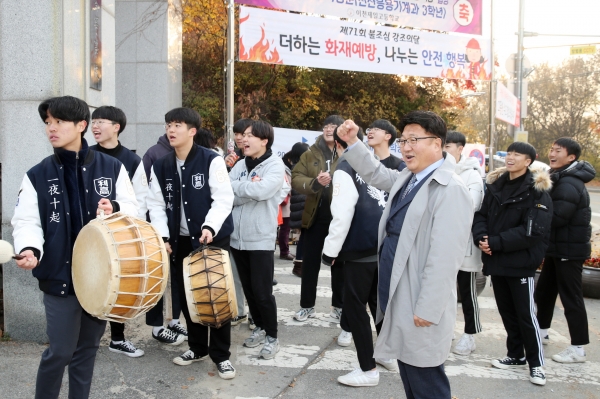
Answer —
492 105
230 90
520 63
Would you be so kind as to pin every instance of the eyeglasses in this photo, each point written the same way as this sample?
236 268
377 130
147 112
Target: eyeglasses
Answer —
329 127
100 123
374 130
414 140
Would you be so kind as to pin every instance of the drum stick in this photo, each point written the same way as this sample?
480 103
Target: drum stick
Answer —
7 252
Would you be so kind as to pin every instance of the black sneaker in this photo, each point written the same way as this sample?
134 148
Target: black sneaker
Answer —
238 319
126 348
226 370
167 336
179 329
537 376
508 363
188 358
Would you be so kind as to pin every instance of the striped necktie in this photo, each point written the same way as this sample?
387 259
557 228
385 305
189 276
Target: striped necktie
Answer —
410 186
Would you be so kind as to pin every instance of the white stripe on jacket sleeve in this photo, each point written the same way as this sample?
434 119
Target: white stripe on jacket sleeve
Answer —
343 203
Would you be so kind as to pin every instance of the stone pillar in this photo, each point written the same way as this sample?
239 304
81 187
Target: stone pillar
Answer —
44 52
148 67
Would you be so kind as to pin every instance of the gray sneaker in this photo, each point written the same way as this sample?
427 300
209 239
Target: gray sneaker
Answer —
257 338
304 313
270 348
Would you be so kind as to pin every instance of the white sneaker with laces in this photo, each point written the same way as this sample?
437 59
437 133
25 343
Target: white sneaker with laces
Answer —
304 313
537 376
359 378
569 355
226 370
336 314
465 345
389 364
345 338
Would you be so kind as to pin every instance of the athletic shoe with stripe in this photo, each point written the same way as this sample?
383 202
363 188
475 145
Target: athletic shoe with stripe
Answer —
465 345
358 378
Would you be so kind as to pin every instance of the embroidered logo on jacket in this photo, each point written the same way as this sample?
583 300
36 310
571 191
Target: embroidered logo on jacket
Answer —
379 195
103 186
198 181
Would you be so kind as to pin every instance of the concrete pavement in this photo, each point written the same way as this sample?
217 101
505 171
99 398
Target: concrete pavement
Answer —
310 361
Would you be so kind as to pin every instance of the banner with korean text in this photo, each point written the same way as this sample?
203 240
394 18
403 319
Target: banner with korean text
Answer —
464 16
507 106
276 37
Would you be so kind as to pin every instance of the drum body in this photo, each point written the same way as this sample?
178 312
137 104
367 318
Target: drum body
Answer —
120 267
209 289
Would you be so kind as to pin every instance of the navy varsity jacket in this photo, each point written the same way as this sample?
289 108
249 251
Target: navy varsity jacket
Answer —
206 192
42 216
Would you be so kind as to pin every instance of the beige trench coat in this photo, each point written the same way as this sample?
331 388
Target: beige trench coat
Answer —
430 250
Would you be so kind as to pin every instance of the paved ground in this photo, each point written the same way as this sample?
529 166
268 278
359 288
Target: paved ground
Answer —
309 362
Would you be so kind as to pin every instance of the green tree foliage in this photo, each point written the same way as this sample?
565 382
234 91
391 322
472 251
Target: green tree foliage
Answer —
294 97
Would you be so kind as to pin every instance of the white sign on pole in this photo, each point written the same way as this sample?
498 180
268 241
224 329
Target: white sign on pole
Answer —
464 16
291 39
507 106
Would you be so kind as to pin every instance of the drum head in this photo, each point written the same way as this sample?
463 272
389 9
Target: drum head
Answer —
92 267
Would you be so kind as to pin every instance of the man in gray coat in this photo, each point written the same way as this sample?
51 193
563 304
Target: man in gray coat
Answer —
423 236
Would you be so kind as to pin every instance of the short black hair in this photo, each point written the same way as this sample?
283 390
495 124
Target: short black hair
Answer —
205 138
66 108
572 146
113 114
333 120
263 130
184 115
293 156
386 125
456 138
430 121
523 148
360 135
241 125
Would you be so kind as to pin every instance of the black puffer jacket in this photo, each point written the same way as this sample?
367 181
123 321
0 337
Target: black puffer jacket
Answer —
571 230
518 228
297 202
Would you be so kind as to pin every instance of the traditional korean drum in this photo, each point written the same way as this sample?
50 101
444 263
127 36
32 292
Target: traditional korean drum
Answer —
120 267
209 288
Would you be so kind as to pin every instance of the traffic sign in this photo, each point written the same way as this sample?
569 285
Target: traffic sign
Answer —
579 50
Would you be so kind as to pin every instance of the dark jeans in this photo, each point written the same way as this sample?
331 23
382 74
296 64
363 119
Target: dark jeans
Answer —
74 338
256 270
284 237
311 265
154 317
514 297
198 337
360 290
468 296
424 382
563 278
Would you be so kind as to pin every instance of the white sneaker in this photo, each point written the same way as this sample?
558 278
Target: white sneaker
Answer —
358 378
345 338
465 345
304 313
569 355
336 314
537 376
389 364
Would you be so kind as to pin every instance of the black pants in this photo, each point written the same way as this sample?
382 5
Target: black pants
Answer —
74 338
424 382
117 331
563 278
360 290
467 286
256 270
154 317
300 246
284 237
311 265
514 298
198 337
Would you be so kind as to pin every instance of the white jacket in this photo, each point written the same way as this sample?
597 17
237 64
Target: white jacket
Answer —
469 171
